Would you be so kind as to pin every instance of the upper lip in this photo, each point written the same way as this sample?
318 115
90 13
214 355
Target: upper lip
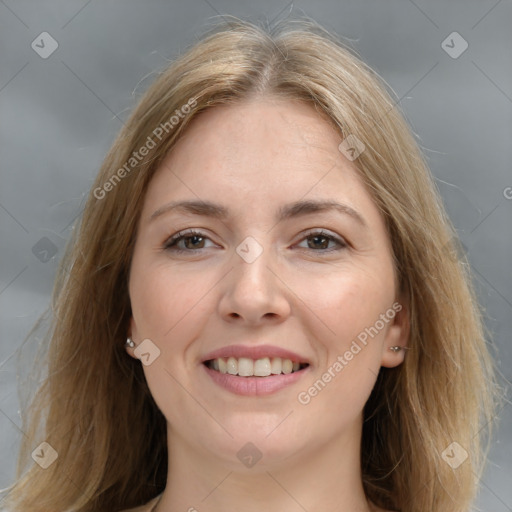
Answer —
254 352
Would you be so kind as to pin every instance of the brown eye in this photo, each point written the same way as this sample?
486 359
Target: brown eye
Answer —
193 242
186 242
319 241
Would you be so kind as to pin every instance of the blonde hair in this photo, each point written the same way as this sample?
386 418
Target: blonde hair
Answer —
97 411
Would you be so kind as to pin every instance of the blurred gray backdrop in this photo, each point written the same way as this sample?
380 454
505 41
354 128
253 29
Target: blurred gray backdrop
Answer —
71 70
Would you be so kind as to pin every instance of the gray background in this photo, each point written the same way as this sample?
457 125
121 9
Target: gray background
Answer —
60 114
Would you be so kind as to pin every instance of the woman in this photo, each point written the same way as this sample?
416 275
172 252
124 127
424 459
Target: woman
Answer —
262 308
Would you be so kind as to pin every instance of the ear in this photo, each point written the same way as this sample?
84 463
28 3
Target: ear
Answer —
397 335
132 333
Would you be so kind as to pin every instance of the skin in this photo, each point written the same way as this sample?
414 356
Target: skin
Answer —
253 158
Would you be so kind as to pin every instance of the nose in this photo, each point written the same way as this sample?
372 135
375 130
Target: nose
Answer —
254 293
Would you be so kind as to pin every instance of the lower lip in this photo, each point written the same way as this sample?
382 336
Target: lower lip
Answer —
254 386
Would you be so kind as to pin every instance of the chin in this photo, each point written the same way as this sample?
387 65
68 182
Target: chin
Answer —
268 441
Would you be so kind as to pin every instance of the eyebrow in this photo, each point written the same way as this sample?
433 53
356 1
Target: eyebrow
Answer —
292 210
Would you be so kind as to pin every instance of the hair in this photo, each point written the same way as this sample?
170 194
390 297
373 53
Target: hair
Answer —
95 405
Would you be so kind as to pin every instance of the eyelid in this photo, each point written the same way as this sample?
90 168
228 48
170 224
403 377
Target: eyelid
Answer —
171 242
182 234
343 243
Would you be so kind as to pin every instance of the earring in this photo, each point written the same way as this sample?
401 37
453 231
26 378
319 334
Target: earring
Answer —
129 343
397 349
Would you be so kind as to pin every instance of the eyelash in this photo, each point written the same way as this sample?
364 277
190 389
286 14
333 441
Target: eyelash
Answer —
171 243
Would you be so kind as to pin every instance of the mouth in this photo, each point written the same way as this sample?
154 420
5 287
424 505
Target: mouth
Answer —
254 377
262 367
255 370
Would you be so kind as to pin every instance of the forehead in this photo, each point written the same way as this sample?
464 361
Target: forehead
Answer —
255 155
269 128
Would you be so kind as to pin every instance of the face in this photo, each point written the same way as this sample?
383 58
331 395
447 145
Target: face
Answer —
275 276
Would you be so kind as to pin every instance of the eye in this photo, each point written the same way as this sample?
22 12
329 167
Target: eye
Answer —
318 241
192 240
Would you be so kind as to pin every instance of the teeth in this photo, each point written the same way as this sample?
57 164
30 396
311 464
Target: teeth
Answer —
246 367
262 367
276 365
287 366
232 366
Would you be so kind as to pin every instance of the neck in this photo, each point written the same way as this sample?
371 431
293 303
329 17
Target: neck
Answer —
324 478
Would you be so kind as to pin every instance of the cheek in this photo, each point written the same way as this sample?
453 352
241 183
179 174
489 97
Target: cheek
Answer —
346 301
167 306
163 301
338 397
349 303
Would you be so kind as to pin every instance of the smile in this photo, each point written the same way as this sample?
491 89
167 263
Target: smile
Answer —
260 377
246 367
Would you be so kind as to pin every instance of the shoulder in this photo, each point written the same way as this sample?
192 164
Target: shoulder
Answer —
143 508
